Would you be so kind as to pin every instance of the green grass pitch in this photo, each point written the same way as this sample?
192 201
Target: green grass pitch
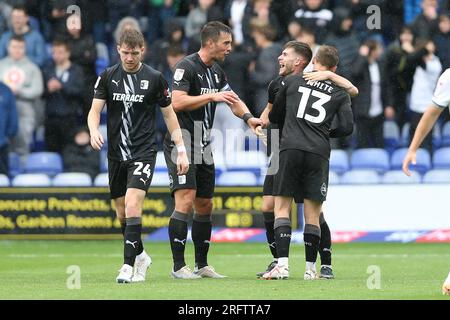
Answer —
38 270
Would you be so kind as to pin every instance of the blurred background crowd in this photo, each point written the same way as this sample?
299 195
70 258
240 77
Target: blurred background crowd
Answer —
50 59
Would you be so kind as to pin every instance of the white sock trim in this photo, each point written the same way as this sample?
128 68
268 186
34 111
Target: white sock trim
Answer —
310 266
283 262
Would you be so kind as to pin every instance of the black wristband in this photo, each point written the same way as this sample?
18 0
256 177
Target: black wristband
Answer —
247 116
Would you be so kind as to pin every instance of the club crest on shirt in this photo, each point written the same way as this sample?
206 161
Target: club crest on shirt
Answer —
178 75
323 189
144 84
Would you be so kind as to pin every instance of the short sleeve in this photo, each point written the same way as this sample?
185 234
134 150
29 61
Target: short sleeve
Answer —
163 96
100 87
182 77
271 92
224 85
441 95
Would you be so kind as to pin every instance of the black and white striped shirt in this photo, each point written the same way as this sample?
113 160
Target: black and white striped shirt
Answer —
131 100
194 77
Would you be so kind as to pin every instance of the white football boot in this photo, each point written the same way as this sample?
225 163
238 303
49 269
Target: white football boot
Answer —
208 272
185 273
310 274
141 265
446 286
277 273
125 274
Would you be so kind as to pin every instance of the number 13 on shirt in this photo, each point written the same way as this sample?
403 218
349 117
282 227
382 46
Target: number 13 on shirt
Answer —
318 105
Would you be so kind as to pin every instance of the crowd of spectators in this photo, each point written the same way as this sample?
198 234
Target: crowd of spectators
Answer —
49 57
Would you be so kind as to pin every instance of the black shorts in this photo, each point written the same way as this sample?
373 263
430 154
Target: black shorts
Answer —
268 185
201 177
269 178
130 174
302 175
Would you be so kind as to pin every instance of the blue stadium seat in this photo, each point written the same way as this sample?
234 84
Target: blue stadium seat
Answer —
160 179
72 179
252 161
261 180
103 161
102 51
399 177
339 161
437 137
333 178
446 135
100 65
423 160
44 162
104 131
370 158
360 177
101 180
437 176
104 115
441 158
39 139
237 178
391 134
14 164
404 138
4 180
31 180
160 165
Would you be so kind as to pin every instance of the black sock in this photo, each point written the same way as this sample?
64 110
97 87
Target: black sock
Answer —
283 231
122 228
201 235
325 242
178 235
131 240
311 237
140 246
269 219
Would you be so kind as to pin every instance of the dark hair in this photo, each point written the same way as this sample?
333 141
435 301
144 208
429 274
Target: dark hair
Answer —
21 8
131 38
406 29
301 49
327 56
175 50
372 45
61 43
17 37
212 31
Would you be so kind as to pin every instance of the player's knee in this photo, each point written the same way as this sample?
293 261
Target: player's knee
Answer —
268 205
184 200
204 206
133 209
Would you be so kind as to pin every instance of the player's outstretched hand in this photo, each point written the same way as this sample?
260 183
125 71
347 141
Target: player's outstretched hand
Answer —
254 123
97 140
409 158
182 163
265 120
317 75
229 97
260 133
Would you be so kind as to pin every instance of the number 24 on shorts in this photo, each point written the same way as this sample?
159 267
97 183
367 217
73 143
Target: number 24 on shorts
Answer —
140 165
